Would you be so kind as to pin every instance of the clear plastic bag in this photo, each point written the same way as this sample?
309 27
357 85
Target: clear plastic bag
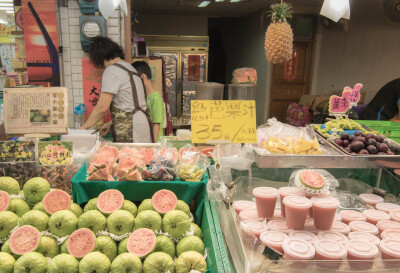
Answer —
131 163
101 162
320 182
162 166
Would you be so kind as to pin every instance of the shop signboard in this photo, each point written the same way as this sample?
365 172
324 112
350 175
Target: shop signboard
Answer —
55 153
223 120
17 151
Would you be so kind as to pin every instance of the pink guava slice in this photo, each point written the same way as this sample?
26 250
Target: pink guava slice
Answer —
24 239
170 153
312 179
56 200
81 242
164 201
110 201
189 155
149 155
108 151
5 200
141 242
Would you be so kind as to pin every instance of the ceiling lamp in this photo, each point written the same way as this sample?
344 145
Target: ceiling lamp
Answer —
107 7
336 9
204 4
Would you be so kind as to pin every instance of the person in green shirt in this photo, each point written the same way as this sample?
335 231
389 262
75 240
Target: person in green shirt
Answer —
154 100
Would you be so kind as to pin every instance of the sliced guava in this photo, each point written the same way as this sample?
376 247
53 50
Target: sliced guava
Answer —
158 262
31 262
56 200
110 201
35 218
149 219
81 242
189 243
63 223
190 260
63 263
312 179
120 222
5 200
126 262
95 262
93 220
141 242
107 246
164 201
24 239
35 189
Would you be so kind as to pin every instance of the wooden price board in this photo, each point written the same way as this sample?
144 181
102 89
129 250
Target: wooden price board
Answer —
232 120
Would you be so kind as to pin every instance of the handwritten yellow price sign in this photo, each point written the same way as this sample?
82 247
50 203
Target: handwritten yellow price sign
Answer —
233 120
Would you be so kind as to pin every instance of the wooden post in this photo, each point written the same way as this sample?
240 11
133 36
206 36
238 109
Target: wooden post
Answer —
128 34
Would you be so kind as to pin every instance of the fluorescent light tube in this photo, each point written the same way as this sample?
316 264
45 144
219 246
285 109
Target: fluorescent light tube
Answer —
219 0
234 1
204 4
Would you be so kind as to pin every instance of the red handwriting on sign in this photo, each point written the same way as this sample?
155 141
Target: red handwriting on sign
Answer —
352 94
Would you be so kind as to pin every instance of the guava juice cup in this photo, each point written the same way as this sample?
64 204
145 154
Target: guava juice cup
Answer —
273 239
305 235
324 210
371 199
278 225
256 227
388 225
374 216
333 236
331 252
351 215
250 215
361 255
340 227
288 191
338 217
363 227
387 207
266 201
390 250
296 208
395 215
244 205
365 237
297 250
391 234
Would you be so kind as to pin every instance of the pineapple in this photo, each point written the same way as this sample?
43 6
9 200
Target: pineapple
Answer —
279 35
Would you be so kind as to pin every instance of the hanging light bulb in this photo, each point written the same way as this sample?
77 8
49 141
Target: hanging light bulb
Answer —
107 7
336 9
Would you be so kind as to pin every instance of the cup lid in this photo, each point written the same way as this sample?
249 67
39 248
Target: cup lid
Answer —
309 226
331 249
244 205
250 214
256 226
273 238
291 191
338 217
363 227
352 215
340 227
361 249
267 192
362 236
391 234
371 198
376 215
395 215
297 201
305 235
325 202
388 224
333 236
391 247
298 249
278 225
387 207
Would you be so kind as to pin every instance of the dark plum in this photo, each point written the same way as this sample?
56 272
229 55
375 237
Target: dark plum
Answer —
369 135
348 149
344 135
379 138
372 141
372 149
383 147
358 133
338 141
345 142
351 138
360 138
356 146
363 152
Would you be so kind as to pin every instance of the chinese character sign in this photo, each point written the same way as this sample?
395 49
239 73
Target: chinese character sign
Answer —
194 68
338 105
233 120
353 94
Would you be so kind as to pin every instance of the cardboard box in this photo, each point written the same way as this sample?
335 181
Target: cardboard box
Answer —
312 100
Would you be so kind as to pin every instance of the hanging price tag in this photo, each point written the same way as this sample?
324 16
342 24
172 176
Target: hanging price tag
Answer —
233 120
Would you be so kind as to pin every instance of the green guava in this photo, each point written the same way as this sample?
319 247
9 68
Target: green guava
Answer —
31 262
91 205
165 244
76 209
189 243
93 220
64 247
8 221
6 249
176 223
145 205
7 263
123 246
39 207
130 206
197 231
107 246
35 218
35 189
9 185
95 262
63 263
126 262
120 222
148 219
183 207
63 223
190 260
158 262
48 247
19 206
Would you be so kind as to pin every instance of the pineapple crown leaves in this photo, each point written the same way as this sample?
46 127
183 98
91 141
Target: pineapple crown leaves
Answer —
279 12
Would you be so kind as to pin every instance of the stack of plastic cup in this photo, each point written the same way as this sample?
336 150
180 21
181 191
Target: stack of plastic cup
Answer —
296 208
273 239
266 200
331 252
374 216
390 250
351 215
371 199
288 191
244 205
364 227
361 254
324 210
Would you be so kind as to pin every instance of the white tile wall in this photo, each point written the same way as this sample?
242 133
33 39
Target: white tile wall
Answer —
73 53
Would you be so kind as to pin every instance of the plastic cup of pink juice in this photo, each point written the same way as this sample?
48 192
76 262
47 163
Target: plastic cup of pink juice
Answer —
361 255
395 215
256 227
324 210
244 205
278 215
266 201
391 234
365 237
338 217
297 249
387 207
387 225
371 199
309 226
331 252
351 215
340 227
390 250
278 225
363 227
333 236
374 216
296 208
288 191
305 235
273 239
250 215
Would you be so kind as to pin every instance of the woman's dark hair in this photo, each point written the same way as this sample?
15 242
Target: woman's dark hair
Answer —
142 68
104 49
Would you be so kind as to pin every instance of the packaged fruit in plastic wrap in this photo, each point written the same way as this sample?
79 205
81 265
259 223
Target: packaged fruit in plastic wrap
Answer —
60 176
21 172
192 163
101 163
163 166
131 163
339 125
55 153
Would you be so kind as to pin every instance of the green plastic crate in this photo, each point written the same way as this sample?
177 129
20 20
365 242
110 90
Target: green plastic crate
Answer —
386 127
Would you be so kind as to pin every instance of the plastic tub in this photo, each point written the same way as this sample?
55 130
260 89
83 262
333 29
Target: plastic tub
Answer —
363 227
265 200
351 215
244 205
297 208
361 255
395 215
374 216
387 207
298 249
391 234
371 199
366 237
288 191
340 227
388 225
333 236
305 235
273 239
209 91
328 250
278 225
324 210
256 227
250 215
